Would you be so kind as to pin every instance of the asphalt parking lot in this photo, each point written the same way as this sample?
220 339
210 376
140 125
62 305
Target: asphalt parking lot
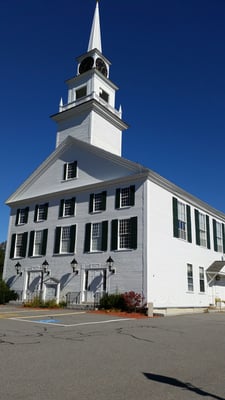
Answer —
63 354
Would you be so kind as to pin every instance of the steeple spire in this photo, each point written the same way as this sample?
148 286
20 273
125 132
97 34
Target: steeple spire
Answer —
95 36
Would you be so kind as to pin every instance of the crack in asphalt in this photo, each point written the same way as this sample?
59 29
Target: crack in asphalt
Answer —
120 331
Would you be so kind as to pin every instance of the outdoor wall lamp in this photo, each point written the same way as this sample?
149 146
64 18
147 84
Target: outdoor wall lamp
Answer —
45 267
18 268
74 265
110 263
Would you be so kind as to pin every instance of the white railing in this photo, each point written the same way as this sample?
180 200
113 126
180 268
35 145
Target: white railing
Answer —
92 96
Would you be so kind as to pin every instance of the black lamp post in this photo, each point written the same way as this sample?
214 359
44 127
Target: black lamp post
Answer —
45 265
18 268
110 263
74 265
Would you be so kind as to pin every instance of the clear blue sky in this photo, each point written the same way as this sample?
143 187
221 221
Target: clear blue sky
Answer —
168 58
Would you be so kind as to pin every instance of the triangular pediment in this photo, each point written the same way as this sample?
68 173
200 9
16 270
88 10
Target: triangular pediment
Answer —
51 280
94 166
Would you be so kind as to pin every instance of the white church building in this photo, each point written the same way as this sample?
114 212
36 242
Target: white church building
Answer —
88 221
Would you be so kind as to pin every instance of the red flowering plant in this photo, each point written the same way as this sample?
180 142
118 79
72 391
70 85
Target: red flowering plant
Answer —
133 301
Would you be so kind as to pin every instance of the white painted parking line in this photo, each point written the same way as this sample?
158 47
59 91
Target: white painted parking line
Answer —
71 325
49 314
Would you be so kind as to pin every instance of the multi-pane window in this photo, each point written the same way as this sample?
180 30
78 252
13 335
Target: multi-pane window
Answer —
124 234
181 220
190 282
65 239
96 236
218 236
97 202
41 212
67 207
70 170
18 245
202 229
125 197
201 279
97 206
38 243
22 216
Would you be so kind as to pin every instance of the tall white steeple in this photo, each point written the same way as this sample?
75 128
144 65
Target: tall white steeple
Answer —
95 37
90 114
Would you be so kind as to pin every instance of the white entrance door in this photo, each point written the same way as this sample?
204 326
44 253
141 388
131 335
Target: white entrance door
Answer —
95 284
51 291
34 284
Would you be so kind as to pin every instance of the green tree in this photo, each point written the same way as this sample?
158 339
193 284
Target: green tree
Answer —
2 256
6 294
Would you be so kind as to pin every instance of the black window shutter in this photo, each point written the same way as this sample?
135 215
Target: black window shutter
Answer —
26 214
86 280
72 238
36 213
117 200
207 231
223 232
61 206
104 280
104 194
189 236
133 232
73 201
31 244
64 171
197 233
114 234
24 244
91 203
17 216
44 242
87 240
12 249
214 235
57 239
132 195
46 211
104 235
175 218
74 169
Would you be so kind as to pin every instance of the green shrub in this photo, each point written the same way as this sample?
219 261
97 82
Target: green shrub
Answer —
128 301
112 301
6 294
36 302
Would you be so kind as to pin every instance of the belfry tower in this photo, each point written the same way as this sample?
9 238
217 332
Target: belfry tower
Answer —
90 114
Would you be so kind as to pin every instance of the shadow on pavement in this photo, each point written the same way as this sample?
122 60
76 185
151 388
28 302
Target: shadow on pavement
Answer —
184 385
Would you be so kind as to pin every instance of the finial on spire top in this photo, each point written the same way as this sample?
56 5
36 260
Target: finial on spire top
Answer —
95 36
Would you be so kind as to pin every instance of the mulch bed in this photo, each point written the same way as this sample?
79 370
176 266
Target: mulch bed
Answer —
121 314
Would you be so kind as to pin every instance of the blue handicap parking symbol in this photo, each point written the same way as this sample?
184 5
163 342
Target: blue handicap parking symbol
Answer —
48 321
